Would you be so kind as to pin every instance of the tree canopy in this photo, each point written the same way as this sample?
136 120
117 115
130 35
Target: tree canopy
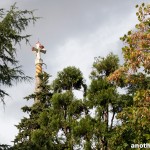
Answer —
134 74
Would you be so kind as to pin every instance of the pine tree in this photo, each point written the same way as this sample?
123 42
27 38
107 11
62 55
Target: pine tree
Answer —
31 134
67 108
103 97
135 127
51 121
12 24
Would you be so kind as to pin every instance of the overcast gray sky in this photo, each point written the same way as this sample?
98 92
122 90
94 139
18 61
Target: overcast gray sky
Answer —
73 32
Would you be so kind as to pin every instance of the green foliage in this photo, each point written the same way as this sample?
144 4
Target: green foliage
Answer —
83 129
62 100
70 78
102 96
12 24
135 116
68 108
55 114
105 66
31 128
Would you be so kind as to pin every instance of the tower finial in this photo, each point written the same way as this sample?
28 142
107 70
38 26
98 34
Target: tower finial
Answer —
39 48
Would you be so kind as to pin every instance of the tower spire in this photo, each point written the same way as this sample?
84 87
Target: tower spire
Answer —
39 48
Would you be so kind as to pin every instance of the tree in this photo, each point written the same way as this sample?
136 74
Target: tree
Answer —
67 108
103 97
134 74
31 129
12 24
55 114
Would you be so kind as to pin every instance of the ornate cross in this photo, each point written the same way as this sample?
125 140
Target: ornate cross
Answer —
38 49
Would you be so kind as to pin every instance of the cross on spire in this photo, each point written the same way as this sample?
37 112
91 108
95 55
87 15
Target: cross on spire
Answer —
38 49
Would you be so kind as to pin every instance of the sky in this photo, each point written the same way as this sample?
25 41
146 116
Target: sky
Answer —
73 32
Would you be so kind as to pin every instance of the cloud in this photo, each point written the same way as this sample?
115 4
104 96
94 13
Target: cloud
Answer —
81 51
11 114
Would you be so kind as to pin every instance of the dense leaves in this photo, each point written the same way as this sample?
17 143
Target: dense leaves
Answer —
103 97
51 121
69 79
135 118
31 134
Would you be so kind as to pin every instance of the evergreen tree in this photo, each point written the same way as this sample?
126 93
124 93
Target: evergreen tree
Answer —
135 127
31 134
51 121
67 108
12 24
103 97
